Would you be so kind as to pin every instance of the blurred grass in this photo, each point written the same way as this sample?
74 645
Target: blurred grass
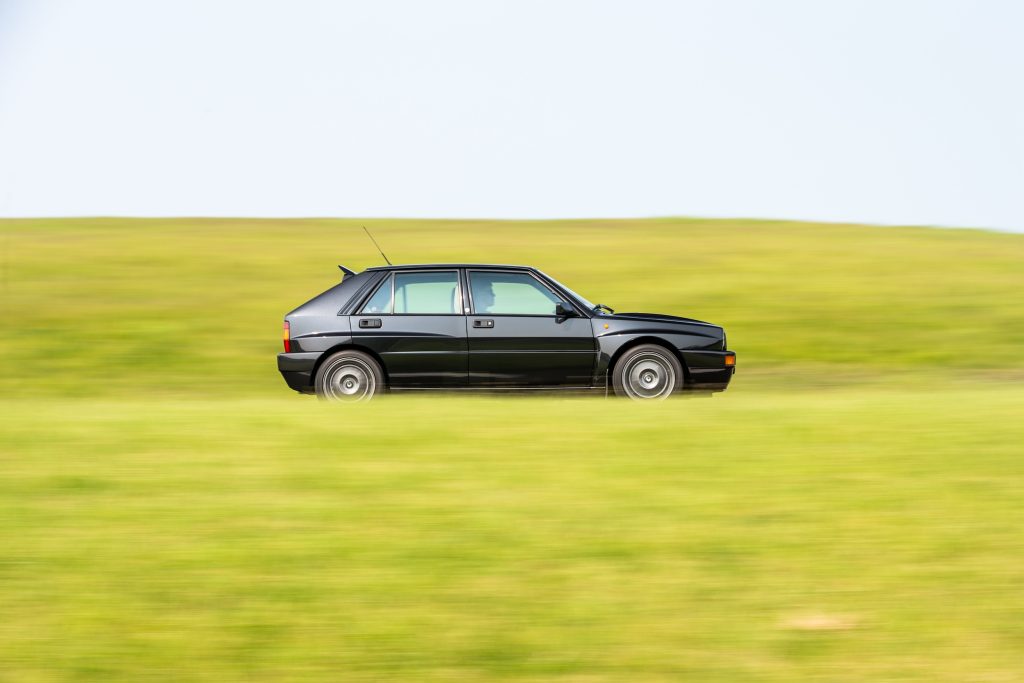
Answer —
873 536
170 512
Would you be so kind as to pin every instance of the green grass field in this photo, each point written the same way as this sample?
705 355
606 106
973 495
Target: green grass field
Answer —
849 510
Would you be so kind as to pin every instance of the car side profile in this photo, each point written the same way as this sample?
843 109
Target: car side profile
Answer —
489 327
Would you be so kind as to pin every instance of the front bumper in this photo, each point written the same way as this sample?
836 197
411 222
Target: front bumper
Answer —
297 370
708 370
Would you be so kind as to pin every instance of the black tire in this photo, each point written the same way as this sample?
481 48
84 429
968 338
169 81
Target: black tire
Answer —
349 376
647 372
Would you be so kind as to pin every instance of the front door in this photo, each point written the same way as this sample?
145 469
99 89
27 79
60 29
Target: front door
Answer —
515 338
416 323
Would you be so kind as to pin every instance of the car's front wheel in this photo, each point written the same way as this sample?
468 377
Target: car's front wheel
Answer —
349 376
647 372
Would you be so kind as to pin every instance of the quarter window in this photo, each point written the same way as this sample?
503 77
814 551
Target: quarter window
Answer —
380 302
510 294
433 293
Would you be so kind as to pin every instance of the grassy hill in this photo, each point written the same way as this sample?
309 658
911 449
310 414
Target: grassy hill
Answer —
187 306
848 511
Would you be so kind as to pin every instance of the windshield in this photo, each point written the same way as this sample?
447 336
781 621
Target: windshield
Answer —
590 306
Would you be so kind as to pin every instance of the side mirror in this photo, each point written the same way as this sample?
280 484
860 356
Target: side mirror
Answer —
563 310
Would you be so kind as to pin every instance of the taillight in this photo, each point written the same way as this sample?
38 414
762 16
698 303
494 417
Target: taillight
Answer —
287 337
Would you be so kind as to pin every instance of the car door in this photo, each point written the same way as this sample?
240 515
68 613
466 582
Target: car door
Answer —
415 322
515 337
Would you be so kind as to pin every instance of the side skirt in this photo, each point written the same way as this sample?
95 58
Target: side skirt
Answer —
498 390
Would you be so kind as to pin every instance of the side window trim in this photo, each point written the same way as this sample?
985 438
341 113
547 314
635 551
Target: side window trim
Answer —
391 308
555 293
465 295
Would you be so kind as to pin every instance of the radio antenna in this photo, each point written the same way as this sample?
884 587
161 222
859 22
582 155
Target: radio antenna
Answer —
376 245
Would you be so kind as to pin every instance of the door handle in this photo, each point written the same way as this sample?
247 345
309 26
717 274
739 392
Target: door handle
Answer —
369 322
483 323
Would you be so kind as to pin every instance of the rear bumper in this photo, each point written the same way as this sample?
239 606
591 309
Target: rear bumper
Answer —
708 370
297 370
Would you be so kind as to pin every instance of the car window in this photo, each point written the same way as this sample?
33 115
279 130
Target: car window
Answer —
510 293
380 302
415 293
427 293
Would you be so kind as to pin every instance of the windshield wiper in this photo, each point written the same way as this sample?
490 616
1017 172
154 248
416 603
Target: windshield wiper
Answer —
597 308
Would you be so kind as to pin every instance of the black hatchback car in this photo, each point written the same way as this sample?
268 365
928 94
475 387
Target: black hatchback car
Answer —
489 327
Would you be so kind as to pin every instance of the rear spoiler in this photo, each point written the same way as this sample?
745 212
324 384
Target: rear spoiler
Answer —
346 273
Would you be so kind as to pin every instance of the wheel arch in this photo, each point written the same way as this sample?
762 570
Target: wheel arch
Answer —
349 346
657 341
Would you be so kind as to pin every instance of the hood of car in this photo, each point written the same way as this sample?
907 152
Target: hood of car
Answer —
660 317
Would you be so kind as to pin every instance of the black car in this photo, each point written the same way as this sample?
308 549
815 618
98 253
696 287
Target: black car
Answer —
463 326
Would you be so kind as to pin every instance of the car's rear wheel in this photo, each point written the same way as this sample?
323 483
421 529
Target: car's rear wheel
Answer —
349 376
647 372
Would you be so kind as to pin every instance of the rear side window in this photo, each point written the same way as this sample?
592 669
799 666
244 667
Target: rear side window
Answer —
428 293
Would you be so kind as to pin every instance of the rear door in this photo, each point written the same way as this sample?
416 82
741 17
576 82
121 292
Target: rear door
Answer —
415 322
515 338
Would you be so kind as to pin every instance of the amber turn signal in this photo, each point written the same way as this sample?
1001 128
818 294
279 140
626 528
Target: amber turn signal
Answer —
287 337
730 360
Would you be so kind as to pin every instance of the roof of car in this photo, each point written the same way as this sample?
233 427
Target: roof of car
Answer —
420 266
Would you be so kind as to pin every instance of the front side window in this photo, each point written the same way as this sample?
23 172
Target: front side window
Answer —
434 293
510 294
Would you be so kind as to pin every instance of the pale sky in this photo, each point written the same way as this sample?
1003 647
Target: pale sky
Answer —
879 111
